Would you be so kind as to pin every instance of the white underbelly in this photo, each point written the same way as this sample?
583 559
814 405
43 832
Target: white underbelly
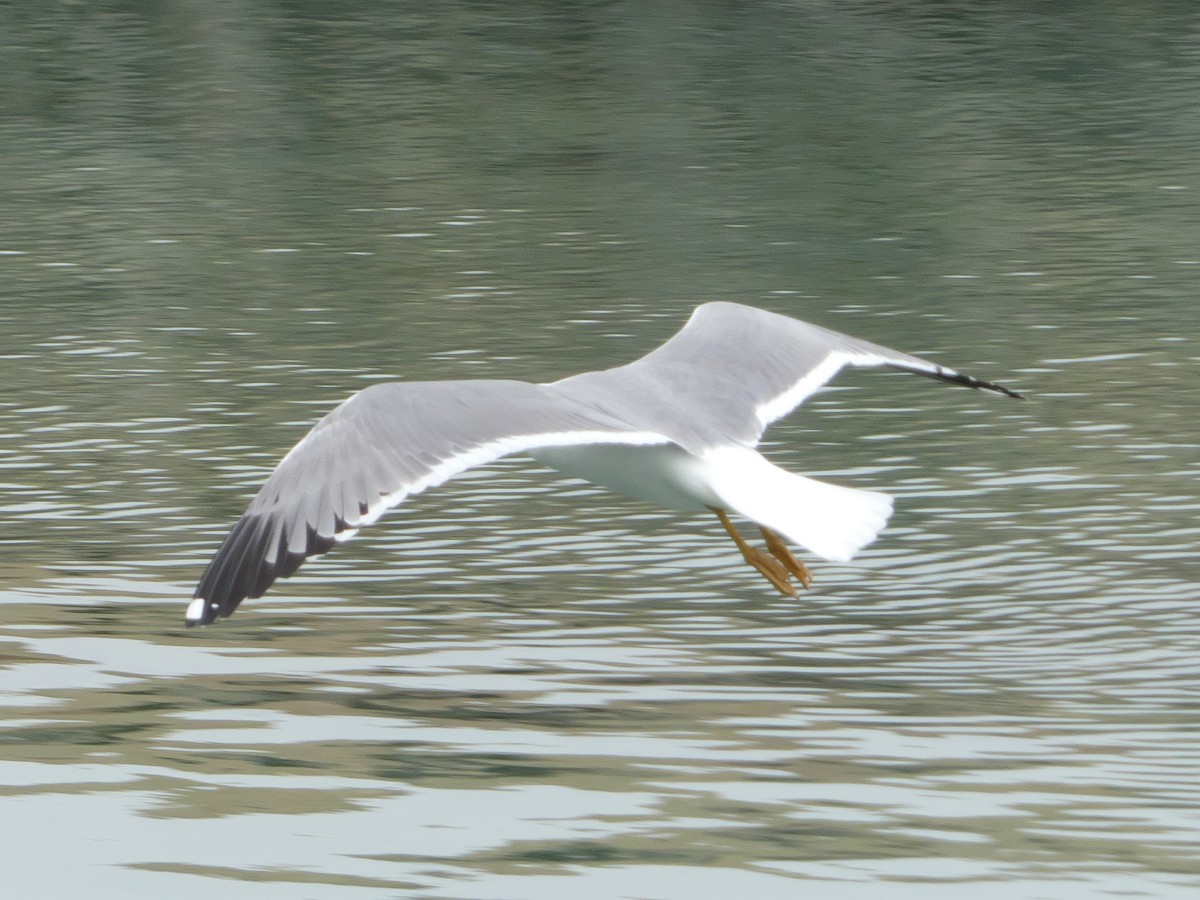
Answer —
664 474
832 521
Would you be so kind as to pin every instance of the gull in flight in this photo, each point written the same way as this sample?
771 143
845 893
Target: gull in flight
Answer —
677 428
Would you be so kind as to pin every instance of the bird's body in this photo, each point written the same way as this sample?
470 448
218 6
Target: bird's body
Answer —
661 474
833 522
676 428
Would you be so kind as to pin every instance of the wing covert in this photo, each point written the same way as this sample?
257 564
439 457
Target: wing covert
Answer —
383 444
732 370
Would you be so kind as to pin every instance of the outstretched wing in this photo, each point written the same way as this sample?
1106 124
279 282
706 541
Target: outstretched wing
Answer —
732 370
380 446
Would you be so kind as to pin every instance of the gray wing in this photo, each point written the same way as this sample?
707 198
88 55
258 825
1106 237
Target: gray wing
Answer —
381 445
731 371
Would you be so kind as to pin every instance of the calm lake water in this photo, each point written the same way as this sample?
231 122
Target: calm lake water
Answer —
216 222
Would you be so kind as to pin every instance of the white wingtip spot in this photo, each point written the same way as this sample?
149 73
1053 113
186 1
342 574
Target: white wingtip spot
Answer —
195 610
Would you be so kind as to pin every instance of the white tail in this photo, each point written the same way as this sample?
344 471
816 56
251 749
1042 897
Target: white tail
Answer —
833 522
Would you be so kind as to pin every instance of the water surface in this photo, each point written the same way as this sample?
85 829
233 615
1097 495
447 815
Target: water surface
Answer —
216 224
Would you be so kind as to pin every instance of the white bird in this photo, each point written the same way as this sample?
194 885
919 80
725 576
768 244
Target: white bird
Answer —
677 428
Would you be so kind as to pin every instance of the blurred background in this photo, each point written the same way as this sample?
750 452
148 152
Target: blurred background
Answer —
218 220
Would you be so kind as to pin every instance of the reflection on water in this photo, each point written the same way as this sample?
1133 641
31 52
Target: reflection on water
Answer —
520 686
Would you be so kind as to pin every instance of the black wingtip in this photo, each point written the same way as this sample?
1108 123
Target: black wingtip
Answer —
222 586
952 377
980 384
240 569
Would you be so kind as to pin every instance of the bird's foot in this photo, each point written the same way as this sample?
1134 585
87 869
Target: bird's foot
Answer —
775 563
771 569
780 551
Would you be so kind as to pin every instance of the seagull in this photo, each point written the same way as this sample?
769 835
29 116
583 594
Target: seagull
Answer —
677 427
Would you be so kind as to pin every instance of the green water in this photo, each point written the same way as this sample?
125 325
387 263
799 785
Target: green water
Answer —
217 221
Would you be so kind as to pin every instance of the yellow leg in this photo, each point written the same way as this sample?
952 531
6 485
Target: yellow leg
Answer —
767 564
780 551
